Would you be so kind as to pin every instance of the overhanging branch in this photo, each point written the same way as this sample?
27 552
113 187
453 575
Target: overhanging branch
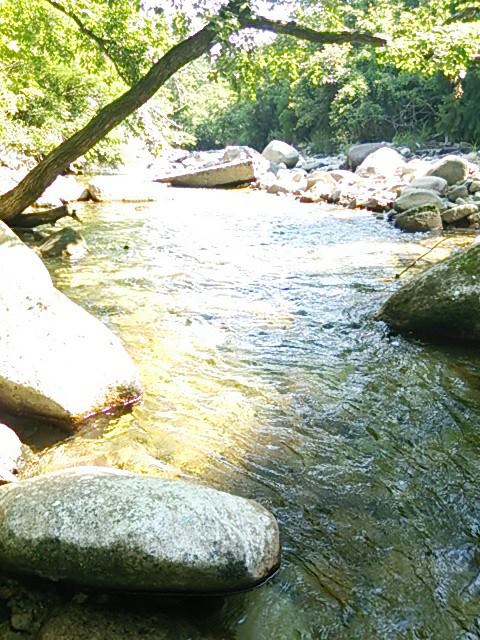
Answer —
304 33
13 202
103 44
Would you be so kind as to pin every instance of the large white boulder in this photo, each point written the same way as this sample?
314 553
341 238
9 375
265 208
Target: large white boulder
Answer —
10 453
358 152
280 152
433 183
65 189
100 527
56 360
383 162
127 188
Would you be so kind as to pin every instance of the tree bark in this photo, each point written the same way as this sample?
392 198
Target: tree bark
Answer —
13 202
31 220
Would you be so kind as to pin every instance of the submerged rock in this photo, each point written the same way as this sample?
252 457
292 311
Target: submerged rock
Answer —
92 621
56 360
442 303
100 527
10 454
67 243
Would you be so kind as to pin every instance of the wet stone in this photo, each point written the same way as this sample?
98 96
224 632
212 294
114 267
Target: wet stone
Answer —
443 302
420 219
100 527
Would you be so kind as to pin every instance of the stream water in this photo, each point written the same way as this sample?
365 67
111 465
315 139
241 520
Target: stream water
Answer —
251 320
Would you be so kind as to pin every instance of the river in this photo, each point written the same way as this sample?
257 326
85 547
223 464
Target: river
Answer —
251 320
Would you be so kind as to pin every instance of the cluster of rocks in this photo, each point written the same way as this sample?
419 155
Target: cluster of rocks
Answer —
98 527
420 194
447 195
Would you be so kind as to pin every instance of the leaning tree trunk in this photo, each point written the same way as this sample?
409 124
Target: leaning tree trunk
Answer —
36 181
13 202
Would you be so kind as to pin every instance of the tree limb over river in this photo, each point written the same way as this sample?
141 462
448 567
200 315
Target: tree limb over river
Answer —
13 202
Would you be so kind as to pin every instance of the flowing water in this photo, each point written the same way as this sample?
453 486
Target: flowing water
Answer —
251 320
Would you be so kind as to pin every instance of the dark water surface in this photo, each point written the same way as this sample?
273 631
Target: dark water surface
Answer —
251 320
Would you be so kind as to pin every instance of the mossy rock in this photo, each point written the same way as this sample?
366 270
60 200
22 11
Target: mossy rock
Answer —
443 303
424 218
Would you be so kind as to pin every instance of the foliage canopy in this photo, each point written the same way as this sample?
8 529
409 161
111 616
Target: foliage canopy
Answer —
61 60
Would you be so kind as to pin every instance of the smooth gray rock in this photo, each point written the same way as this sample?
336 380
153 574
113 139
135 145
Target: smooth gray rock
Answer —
420 219
277 151
461 211
358 152
56 360
432 183
412 198
101 527
451 168
457 191
10 454
226 174
443 302
474 186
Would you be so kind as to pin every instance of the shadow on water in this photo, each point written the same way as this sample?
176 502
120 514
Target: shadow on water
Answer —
251 320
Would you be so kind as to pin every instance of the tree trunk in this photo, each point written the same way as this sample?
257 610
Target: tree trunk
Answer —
13 202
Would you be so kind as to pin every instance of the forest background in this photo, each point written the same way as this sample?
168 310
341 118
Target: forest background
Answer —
62 60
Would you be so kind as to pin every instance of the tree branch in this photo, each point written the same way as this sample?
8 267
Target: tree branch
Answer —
304 33
102 43
16 200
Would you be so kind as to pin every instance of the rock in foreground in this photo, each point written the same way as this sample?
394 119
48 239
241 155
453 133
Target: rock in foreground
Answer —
10 454
56 361
104 528
442 303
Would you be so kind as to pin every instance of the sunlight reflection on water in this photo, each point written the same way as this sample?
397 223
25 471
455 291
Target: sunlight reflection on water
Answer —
250 318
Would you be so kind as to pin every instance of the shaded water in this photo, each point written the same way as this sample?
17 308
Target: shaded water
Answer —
250 318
